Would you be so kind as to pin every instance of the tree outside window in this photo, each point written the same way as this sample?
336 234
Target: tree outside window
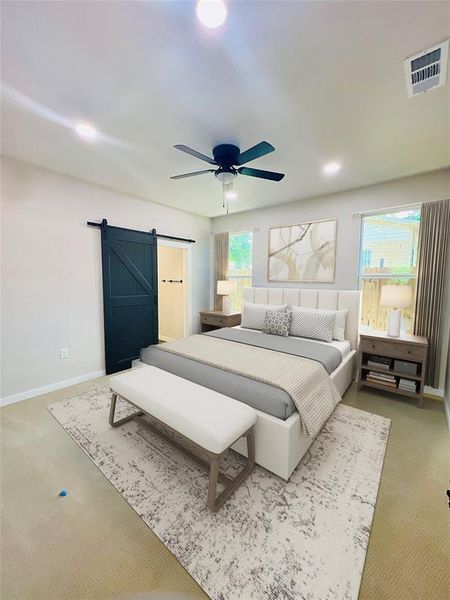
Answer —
240 250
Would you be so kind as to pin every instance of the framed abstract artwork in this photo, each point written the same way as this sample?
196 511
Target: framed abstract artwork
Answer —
305 252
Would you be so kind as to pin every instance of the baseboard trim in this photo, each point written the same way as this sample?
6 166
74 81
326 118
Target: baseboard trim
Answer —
49 388
433 393
447 410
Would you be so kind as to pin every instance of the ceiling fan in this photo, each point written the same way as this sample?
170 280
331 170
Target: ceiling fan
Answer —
228 160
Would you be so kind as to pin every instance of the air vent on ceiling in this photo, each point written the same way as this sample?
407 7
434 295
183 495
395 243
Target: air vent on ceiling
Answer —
426 70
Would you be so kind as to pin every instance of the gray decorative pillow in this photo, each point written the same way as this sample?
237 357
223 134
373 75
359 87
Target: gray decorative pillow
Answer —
253 314
277 323
312 323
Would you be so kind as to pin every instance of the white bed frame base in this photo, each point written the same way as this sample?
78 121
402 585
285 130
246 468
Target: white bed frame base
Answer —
280 445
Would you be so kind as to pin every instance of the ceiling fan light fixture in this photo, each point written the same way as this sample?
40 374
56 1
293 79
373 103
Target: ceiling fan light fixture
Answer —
211 13
225 177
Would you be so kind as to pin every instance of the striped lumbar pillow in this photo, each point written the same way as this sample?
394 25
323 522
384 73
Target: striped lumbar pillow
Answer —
312 323
339 324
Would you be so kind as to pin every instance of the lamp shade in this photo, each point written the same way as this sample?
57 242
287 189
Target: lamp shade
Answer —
225 288
395 296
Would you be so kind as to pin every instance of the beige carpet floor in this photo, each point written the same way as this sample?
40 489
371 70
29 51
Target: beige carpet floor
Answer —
91 544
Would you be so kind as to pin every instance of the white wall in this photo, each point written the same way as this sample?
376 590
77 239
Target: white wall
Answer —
408 190
51 270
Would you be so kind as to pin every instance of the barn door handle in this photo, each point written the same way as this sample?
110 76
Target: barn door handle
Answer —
172 280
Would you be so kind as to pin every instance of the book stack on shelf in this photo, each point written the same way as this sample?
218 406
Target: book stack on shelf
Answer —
379 362
383 379
407 384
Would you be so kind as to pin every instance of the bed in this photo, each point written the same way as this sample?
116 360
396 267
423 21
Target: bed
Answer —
280 438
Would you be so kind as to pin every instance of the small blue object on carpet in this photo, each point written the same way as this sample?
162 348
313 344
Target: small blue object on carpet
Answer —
63 493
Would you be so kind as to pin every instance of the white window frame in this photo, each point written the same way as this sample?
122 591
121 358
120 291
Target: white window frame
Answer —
384 211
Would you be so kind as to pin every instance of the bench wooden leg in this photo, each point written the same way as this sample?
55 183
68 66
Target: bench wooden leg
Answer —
112 411
212 487
251 447
215 503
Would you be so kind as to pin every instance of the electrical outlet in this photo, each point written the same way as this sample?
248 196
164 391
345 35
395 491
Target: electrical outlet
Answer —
64 353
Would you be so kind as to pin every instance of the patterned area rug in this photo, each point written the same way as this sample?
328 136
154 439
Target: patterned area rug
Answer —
302 540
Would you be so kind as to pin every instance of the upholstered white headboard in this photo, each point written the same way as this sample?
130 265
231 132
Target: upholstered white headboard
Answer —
327 299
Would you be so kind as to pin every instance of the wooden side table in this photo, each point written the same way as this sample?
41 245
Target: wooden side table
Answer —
411 350
216 319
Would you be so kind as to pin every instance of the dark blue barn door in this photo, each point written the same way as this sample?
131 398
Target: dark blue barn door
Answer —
130 294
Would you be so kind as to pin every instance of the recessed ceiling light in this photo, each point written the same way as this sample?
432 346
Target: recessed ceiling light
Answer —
211 13
331 168
86 131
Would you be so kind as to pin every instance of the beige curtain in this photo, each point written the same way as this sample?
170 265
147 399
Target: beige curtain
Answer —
434 238
220 264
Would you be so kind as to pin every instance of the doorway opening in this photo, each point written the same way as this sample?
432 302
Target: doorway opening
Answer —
173 290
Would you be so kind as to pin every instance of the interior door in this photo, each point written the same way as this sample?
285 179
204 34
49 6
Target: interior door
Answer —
130 294
172 292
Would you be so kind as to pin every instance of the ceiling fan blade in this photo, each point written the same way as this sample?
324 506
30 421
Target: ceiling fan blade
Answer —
255 152
192 152
262 174
192 174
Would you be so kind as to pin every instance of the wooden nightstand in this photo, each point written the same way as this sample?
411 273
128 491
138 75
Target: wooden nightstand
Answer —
216 319
405 358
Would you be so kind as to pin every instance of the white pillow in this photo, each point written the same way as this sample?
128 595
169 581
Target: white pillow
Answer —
312 323
254 314
339 325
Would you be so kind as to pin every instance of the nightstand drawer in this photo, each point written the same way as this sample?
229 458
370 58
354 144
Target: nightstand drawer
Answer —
213 320
394 349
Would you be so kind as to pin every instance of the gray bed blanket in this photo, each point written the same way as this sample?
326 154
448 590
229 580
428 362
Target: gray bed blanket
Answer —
328 356
313 392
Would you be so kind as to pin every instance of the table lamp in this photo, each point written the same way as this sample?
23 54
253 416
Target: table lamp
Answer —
395 297
225 288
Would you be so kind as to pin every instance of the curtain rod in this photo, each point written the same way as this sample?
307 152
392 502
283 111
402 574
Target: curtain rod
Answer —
238 231
375 211
158 235
393 208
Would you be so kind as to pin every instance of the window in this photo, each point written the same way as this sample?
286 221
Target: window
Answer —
240 264
388 257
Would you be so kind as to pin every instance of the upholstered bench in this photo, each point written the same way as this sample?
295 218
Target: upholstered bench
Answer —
210 421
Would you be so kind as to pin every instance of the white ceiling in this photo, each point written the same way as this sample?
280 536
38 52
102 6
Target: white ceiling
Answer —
321 81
